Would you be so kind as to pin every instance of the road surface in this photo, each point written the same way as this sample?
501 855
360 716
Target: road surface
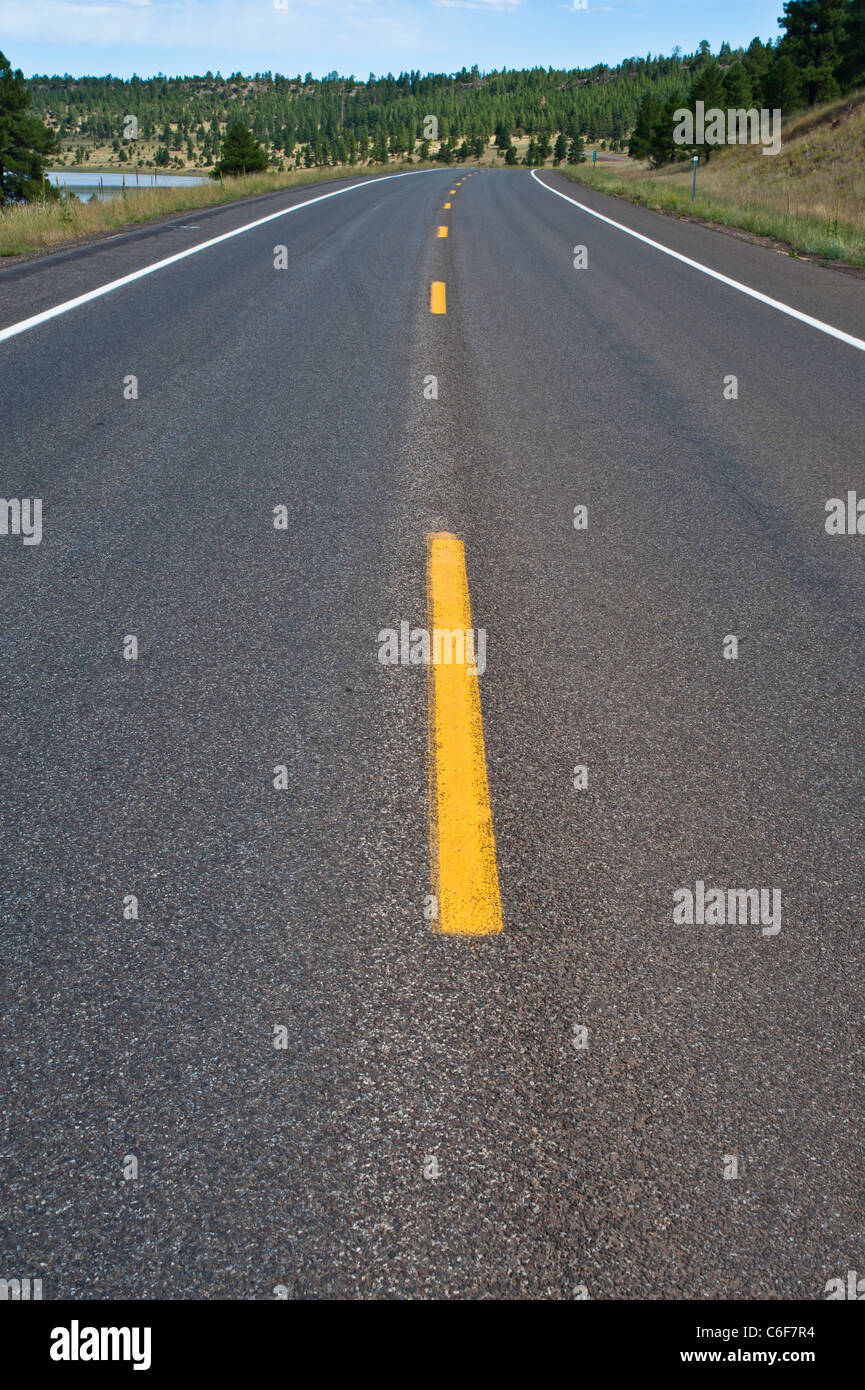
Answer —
323 1094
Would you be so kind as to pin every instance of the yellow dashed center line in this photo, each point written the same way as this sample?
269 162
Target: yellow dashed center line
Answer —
437 301
442 231
462 843
447 205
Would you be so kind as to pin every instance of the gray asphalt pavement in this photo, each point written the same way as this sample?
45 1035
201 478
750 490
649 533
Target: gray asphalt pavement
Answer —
562 1171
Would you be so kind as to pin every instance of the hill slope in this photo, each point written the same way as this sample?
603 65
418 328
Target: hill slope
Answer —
810 196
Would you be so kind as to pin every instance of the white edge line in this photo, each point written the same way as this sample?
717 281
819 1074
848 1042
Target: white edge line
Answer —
715 274
23 324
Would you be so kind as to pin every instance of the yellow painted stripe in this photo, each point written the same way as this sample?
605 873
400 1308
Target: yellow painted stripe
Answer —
465 879
447 205
453 190
442 231
437 302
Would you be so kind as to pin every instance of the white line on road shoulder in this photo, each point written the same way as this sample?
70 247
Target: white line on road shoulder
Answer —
715 274
24 324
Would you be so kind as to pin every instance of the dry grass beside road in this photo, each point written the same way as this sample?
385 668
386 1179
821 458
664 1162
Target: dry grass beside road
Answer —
33 226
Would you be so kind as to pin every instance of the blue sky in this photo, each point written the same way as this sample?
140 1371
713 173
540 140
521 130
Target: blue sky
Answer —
360 36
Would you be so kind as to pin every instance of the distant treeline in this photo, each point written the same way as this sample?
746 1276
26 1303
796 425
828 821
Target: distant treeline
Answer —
337 116
338 119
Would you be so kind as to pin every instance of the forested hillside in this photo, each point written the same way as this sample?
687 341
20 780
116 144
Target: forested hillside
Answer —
302 122
182 120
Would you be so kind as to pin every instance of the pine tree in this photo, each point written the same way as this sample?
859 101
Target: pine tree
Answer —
640 143
757 62
241 153
813 39
576 150
24 140
782 85
737 87
709 88
851 72
560 149
663 148
379 147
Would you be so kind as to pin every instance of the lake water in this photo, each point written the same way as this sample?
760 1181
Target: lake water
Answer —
88 185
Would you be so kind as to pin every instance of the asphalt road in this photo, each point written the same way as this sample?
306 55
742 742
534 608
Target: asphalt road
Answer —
563 1171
